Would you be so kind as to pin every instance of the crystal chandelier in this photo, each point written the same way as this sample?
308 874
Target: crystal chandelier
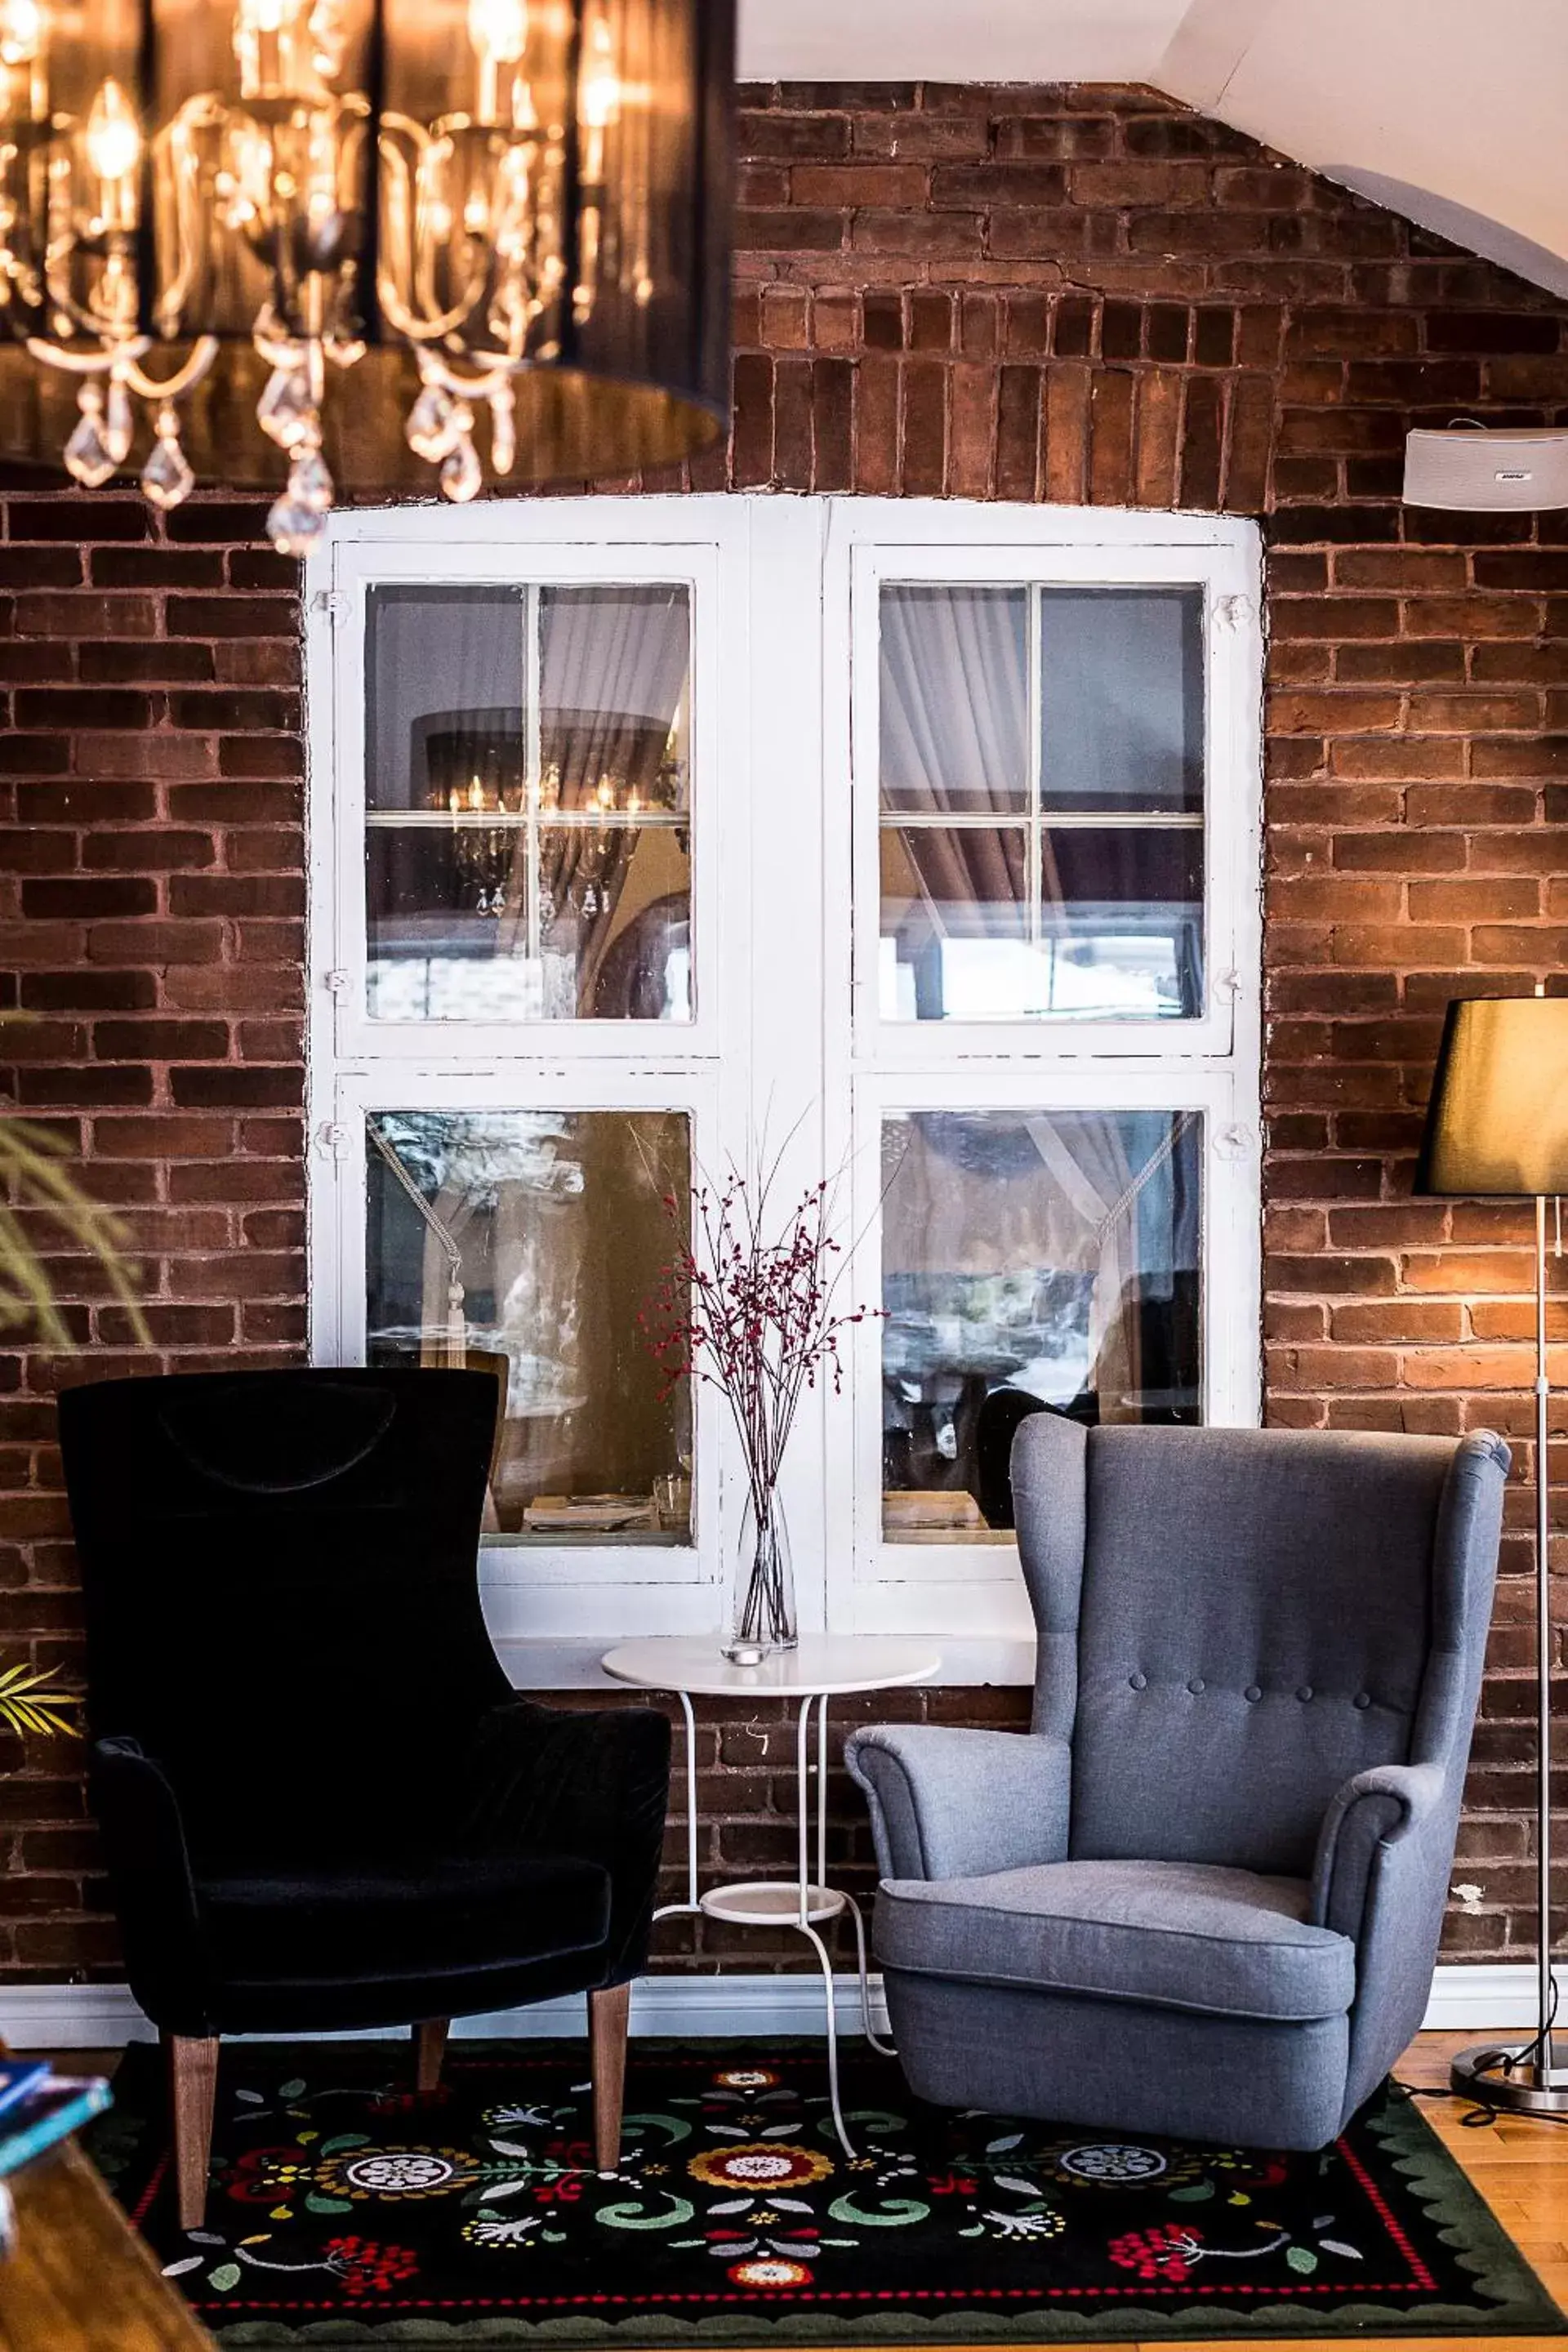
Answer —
363 246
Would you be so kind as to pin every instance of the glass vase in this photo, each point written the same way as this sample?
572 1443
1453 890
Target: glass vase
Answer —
762 1614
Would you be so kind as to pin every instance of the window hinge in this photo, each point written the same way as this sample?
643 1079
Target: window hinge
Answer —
1234 1142
333 1140
1227 982
1231 613
336 983
334 601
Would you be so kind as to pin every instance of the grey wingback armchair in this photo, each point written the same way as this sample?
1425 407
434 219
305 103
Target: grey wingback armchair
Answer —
1203 1894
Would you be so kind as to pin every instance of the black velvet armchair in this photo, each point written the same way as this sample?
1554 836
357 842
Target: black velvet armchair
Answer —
323 1808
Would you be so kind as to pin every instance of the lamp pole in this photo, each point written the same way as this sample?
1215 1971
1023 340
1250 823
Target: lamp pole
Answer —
1497 1128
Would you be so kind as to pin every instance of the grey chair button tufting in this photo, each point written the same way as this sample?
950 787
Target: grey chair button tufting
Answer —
1196 1686
1363 1698
1138 1682
1252 1693
1305 1692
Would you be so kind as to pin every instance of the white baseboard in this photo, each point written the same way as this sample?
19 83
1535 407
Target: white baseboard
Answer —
1485 1999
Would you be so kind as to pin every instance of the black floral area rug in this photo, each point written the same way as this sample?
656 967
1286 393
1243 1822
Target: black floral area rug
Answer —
346 2210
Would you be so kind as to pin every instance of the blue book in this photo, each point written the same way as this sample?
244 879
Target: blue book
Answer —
17 2082
63 2105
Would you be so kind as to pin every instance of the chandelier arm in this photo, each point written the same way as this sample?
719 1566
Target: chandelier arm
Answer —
414 328
187 208
496 377
200 363
397 186
59 298
99 362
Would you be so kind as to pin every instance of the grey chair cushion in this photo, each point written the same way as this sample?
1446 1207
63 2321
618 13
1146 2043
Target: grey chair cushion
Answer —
1183 1935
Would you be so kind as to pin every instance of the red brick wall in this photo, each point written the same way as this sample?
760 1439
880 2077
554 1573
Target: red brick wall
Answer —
1066 295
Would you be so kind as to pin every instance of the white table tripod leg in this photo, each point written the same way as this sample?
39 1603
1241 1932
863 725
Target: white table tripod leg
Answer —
827 1964
679 1910
803 1807
886 2048
822 1790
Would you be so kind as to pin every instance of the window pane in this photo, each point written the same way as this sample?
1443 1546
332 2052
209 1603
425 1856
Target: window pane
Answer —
612 690
1122 924
527 854
955 922
1029 1258
1118 934
1121 699
954 699
444 696
528 1242
992 909
615 934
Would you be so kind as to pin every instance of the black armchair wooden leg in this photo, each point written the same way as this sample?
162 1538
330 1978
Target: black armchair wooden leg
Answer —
192 2084
607 2015
430 2049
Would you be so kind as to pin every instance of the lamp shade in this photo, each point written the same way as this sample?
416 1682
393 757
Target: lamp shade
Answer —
1498 1119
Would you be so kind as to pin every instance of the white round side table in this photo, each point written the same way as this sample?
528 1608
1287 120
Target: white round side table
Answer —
824 1666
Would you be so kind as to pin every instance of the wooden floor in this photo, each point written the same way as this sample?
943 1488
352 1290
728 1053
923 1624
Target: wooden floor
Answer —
1520 2169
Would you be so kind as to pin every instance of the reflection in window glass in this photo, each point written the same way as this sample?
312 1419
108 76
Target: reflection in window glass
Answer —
527 1243
1029 1259
527 797
1047 865
1118 933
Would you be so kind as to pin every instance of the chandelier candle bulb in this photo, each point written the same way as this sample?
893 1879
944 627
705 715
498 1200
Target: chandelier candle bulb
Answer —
507 224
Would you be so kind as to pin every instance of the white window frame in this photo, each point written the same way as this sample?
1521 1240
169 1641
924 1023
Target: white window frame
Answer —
784 667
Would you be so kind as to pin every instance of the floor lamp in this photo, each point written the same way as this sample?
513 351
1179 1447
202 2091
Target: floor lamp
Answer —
1497 1128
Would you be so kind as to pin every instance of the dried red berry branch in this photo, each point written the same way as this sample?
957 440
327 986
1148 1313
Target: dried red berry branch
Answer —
750 1309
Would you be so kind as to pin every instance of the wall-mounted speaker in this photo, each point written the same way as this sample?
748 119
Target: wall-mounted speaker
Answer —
1486 472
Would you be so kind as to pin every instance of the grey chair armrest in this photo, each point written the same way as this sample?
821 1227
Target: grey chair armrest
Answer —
953 1803
1381 1877
1374 1809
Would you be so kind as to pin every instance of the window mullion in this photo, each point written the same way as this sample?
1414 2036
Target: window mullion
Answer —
1036 688
534 736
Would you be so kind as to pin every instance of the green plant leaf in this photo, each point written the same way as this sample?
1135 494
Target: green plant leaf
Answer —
34 1183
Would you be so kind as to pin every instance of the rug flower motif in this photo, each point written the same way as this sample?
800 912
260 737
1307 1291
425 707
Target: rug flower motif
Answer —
476 2213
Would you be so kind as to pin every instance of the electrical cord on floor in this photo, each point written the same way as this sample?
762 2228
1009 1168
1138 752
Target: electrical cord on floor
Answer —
1478 2117
1541 2040
1475 2117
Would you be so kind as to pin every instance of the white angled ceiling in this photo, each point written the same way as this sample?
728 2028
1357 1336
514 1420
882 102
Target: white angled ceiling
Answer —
1455 113
955 40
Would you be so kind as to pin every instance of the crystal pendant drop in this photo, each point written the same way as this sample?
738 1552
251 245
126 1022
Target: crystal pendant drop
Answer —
309 483
87 456
462 477
285 411
433 429
299 517
167 478
503 428
119 422
293 529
